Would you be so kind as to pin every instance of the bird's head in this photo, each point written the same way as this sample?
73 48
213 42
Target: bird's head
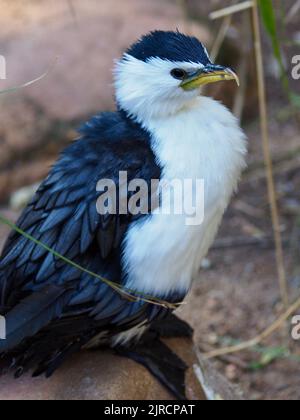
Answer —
163 73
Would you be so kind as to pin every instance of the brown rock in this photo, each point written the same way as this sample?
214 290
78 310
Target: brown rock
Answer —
88 376
99 376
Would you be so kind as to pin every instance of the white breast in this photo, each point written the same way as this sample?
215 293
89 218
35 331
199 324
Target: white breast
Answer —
162 254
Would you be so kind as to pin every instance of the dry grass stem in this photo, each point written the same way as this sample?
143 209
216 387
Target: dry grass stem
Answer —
267 156
229 11
258 339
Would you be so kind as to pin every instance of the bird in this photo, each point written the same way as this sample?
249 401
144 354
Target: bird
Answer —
163 128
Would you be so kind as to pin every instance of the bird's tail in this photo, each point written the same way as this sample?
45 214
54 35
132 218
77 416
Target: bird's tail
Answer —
32 314
38 337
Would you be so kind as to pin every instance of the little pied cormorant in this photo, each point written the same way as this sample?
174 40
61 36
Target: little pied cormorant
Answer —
163 129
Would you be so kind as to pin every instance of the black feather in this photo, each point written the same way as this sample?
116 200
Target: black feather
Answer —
52 307
173 46
31 315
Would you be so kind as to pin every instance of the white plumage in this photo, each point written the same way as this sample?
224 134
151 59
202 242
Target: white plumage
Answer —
201 141
193 137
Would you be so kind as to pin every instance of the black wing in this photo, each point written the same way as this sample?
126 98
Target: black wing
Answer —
63 216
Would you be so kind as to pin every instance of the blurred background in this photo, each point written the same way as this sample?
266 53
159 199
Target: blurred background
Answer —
237 294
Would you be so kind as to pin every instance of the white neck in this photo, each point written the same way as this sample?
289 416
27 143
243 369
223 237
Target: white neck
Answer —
203 141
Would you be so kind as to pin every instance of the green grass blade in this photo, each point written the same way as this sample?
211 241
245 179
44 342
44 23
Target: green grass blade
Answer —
124 291
269 21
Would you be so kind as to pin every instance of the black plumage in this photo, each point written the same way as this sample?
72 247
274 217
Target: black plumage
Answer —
51 307
169 45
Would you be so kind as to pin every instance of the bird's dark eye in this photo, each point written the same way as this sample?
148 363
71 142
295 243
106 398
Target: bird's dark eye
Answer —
179 74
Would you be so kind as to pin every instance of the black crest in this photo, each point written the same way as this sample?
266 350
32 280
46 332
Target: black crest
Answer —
173 46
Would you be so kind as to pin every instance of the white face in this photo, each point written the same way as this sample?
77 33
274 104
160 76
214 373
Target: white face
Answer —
149 89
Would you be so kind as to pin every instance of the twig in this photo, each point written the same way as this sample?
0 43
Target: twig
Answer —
294 9
220 37
281 352
267 155
227 358
27 84
261 337
231 10
248 210
240 97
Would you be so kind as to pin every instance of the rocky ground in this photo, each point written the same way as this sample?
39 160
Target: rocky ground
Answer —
102 375
237 294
